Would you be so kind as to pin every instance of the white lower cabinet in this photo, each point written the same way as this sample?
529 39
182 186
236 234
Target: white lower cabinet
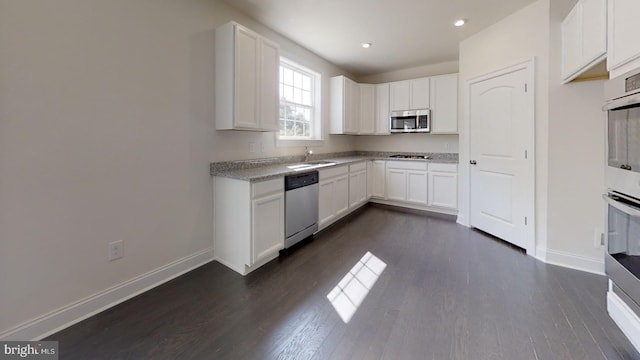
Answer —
377 186
443 185
407 181
417 187
248 222
357 184
267 214
333 195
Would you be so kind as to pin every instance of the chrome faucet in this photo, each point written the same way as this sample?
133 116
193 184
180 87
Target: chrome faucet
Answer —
307 153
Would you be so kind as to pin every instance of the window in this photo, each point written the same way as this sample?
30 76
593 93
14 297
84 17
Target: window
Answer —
299 102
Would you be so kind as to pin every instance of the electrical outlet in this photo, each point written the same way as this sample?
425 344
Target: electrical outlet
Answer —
598 238
116 250
252 147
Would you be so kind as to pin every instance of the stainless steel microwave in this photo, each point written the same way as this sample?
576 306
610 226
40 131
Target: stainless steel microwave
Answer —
410 121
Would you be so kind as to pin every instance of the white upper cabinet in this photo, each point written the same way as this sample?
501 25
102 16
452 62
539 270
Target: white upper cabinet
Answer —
444 104
623 46
247 67
399 96
382 109
345 106
367 109
584 38
409 94
419 93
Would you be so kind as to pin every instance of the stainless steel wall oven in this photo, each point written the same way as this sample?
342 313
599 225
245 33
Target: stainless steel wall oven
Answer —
622 171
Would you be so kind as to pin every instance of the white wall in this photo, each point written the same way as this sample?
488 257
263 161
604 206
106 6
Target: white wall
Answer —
448 67
576 154
107 133
234 145
410 142
521 36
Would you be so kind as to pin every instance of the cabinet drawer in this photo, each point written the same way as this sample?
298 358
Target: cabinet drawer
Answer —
334 171
452 168
358 167
267 187
407 165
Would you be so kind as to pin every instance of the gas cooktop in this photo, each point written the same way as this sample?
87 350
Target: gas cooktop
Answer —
402 156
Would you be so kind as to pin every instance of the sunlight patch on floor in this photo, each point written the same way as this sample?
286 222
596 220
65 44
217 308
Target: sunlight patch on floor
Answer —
347 296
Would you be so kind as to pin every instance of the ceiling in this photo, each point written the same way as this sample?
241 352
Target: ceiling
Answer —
404 33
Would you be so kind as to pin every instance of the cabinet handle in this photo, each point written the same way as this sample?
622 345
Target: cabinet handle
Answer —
472 162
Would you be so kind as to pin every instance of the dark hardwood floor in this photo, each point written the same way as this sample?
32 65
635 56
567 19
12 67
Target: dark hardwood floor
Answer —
447 292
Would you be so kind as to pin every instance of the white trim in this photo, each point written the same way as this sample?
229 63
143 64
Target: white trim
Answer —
625 318
73 313
439 210
571 261
465 180
317 104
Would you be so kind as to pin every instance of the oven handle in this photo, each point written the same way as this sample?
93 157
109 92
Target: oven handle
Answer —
625 101
622 206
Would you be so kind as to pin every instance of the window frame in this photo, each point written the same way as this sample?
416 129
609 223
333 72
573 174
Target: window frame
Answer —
316 107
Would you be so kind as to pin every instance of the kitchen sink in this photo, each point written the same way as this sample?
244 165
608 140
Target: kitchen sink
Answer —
310 165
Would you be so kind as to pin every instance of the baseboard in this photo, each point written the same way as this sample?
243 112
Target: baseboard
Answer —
415 206
625 318
52 322
571 261
461 220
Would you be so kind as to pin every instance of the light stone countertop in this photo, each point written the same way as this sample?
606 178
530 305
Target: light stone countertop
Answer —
266 169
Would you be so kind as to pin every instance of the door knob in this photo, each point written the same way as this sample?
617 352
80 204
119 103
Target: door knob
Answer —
472 162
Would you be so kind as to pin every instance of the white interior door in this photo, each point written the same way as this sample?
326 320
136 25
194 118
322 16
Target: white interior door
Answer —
501 110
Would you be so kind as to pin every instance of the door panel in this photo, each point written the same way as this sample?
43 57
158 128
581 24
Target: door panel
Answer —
417 187
397 185
341 195
246 73
269 94
268 226
499 118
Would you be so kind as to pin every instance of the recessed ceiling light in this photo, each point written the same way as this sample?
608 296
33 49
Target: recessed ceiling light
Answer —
459 22
366 45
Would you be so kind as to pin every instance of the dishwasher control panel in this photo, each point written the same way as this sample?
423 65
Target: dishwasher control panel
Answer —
300 180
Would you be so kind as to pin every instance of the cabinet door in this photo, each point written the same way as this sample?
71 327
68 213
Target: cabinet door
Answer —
352 124
269 92
571 42
443 189
419 93
417 187
382 109
623 45
396 185
367 109
357 188
378 179
246 79
267 214
593 29
341 195
444 104
399 95
326 212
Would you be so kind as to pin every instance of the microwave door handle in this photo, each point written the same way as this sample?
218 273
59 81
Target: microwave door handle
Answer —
622 207
625 101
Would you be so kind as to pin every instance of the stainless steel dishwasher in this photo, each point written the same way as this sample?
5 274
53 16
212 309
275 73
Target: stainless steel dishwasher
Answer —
301 206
